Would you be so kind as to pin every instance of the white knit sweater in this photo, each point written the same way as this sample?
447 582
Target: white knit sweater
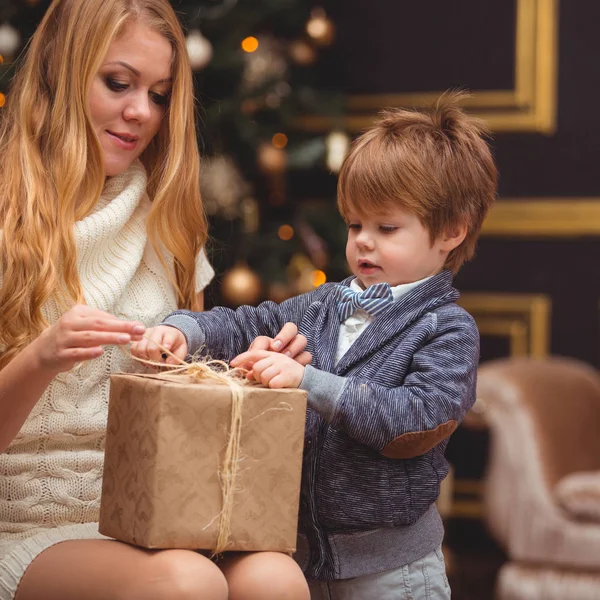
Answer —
50 476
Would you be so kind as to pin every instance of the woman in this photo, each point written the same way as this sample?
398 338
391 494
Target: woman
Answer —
101 232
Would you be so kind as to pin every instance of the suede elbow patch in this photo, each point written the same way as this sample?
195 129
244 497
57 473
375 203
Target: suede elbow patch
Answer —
416 443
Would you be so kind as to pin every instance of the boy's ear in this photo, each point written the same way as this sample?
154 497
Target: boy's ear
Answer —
454 237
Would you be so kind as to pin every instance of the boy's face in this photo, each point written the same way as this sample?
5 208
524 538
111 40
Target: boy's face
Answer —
393 247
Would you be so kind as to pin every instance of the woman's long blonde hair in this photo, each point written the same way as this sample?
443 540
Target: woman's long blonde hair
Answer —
51 168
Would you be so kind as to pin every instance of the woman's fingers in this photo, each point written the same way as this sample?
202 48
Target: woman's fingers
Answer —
296 346
98 323
88 320
284 338
262 342
90 339
79 354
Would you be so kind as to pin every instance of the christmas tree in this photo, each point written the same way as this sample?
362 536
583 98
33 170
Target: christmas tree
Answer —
256 72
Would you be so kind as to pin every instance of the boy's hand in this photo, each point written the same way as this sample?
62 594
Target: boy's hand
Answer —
169 337
272 369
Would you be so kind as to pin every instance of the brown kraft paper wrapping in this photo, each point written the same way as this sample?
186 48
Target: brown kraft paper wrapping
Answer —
165 444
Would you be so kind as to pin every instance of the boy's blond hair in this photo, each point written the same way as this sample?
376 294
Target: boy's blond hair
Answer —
435 164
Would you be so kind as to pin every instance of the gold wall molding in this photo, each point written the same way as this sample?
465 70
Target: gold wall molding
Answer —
522 318
468 499
544 217
530 106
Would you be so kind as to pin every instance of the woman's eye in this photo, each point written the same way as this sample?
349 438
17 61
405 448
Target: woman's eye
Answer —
115 85
160 99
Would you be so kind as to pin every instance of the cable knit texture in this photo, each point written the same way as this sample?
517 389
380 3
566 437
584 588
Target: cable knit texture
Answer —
50 476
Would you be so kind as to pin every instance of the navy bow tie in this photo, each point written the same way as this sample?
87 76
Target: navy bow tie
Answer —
373 300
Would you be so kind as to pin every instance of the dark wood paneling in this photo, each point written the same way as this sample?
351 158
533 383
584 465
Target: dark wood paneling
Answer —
385 46
468 44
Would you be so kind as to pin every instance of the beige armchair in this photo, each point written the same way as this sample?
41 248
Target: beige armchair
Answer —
542 488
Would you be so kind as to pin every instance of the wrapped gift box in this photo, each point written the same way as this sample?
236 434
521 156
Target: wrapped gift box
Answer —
165 447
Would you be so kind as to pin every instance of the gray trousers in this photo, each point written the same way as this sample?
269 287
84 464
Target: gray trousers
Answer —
423 579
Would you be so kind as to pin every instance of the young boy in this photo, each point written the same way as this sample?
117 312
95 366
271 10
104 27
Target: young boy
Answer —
394 358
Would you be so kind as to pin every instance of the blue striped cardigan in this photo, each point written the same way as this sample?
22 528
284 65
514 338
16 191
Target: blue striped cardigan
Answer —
378 421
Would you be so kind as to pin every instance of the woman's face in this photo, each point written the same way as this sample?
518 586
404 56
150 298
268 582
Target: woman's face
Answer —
130 94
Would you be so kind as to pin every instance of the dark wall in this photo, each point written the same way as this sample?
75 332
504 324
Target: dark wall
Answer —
564 164
390 46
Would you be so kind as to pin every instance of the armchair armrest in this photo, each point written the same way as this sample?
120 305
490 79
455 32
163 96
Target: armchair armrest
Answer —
578 494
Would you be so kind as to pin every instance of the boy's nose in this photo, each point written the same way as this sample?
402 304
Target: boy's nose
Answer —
364 241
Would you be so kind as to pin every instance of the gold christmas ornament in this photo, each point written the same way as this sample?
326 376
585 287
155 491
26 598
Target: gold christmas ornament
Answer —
250 44
222 186
302 53
265 63
279 140
10 40
250 214
301 273
241 285
336 144
199 49
285 232
271 159
320 28
272 100
278 292
249 106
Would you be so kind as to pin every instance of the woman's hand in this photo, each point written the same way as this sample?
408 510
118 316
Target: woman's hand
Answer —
80 334
272 369
168 337
288 342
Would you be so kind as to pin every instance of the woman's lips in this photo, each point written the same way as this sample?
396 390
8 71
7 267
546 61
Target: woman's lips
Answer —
125 144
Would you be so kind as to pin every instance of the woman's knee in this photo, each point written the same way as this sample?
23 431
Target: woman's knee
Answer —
265 576
178 575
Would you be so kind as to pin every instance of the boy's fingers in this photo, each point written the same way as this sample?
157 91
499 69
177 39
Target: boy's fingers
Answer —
180 353
143 348
304 358
154 352
279 381
264 370
169 338
249 357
